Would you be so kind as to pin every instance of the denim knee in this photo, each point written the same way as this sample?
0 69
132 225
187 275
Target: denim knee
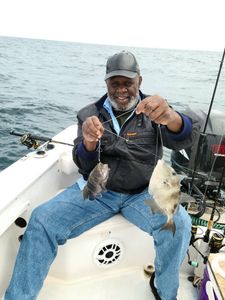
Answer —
40 222
45 220
39 215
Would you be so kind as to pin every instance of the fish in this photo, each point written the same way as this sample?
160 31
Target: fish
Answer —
164 186
96 181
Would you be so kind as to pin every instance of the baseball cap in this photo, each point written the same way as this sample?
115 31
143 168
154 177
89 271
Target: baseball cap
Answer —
122 64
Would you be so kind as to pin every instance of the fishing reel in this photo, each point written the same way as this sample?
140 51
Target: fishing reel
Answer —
29 141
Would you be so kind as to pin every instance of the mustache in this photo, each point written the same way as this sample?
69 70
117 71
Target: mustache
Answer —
132 101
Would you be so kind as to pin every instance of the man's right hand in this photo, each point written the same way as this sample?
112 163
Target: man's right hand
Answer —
92 130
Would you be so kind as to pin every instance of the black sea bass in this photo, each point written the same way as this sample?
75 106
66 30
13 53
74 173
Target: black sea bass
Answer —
96 181
164 186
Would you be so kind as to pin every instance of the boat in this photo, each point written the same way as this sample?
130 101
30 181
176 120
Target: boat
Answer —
113 260
109 261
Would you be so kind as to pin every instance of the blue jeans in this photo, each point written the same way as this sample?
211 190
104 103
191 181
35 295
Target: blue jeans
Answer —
68 215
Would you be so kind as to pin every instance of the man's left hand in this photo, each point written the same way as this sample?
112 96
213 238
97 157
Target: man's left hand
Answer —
157 109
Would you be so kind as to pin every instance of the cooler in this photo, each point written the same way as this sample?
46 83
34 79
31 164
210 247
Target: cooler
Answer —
213 284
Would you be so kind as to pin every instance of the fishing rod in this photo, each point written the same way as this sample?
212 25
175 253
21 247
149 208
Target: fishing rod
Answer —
207 243
202 134
32 140
214 91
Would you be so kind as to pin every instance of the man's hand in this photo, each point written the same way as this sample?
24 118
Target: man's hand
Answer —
92 130
158 110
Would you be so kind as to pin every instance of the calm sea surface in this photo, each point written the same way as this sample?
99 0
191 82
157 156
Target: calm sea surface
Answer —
44 83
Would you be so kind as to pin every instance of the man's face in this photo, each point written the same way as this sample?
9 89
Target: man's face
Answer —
123 91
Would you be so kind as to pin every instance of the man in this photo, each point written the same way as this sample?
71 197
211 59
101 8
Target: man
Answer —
124 113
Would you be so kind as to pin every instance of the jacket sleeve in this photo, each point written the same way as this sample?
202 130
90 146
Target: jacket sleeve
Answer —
85 160
189 132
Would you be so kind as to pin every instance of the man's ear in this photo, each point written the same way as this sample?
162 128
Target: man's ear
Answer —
140 80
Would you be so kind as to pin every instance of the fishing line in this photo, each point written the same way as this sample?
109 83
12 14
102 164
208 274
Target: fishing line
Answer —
99 151
159 135
127 111
161 138
130 142
156 146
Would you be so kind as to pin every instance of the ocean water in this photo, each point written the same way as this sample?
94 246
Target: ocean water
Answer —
44 83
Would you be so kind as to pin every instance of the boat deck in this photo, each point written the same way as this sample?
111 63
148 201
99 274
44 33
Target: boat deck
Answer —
126 286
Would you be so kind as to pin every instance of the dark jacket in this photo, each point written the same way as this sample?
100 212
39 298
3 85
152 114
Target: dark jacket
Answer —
131 158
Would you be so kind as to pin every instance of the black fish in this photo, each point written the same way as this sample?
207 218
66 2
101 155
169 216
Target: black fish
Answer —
96 181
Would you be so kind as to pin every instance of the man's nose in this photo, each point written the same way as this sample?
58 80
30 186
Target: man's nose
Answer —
122 89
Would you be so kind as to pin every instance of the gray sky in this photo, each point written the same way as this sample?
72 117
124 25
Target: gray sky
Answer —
173 24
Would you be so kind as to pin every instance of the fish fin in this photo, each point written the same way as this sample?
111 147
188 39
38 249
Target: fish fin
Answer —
103 185
85 192
154 206
184 197
169 226
96 195
88 195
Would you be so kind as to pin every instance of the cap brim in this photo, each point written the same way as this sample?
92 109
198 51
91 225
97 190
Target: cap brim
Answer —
124 73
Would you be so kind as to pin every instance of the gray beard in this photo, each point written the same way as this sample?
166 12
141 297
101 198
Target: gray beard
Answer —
132 103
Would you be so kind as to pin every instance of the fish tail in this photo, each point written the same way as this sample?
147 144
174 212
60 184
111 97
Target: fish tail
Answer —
170 225
154 207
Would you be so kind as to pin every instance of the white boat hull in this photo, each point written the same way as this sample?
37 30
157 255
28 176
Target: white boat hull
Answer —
83 268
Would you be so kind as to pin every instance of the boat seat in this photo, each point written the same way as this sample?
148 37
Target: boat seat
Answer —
104 248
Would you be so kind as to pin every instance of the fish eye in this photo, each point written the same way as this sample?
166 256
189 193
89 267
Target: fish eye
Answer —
174 173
